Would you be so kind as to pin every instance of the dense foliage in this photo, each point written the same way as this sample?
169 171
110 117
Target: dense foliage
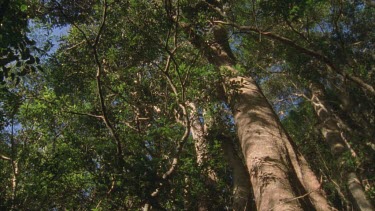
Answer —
103 122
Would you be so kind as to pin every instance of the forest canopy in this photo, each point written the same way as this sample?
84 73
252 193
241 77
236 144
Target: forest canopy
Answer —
187 105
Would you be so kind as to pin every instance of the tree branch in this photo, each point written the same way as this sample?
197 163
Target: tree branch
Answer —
60 7
99 83
365 86
5 157
186 122
85 114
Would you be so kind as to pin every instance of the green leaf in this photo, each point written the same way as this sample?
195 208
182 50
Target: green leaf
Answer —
23 7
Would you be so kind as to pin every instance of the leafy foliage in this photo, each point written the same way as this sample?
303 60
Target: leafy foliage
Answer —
16 48
102 126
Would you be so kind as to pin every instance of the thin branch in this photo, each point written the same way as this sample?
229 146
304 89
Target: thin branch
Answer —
165 72
99 70
175 160
99 82
365 86
75 45
108 192
5 157
98 35
186 122
60 7
85 114
297 32
218 10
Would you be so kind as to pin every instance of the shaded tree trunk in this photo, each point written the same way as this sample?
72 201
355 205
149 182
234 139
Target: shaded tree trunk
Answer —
332 134
242 195
241 181
201 143
14 183
201 149
280 176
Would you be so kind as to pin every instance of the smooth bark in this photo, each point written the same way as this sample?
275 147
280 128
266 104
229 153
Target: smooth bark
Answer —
201 143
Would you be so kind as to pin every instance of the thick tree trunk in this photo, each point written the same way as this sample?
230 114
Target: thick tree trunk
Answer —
332 134
280 176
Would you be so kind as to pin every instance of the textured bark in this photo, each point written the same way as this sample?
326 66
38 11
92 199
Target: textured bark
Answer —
241 179
332 134
280 177
278 173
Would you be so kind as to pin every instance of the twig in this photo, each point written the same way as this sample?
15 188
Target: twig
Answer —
75 45
85 114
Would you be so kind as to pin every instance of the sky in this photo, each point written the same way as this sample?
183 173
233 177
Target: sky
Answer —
43 35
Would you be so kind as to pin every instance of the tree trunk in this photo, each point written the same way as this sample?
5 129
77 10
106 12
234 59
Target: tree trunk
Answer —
241 181
356 190
201 149
280 176
332 134
278 173
242 195
200 142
